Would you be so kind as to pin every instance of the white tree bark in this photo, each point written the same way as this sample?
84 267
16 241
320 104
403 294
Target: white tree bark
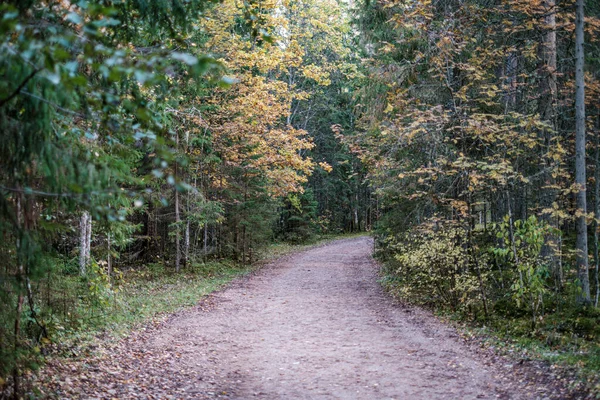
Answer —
85 238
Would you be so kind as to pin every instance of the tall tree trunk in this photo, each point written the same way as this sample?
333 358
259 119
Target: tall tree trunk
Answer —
356 220
596 213
85 237
580 172
17 346
177 217
82 243
510 73
16 372
548 63
244 219
177 234
548 91
88 233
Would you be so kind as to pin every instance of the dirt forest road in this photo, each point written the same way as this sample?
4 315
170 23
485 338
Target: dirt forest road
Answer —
314 325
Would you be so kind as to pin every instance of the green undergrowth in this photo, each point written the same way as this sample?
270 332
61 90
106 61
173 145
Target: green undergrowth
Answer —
156 290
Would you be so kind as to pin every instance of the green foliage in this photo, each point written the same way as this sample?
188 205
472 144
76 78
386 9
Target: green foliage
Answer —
297 223
136 296
117 110
81 119
520 254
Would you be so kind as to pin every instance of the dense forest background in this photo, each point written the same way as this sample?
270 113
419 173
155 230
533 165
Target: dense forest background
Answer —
168 135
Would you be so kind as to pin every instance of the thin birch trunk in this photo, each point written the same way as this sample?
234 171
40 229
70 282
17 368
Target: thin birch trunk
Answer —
88 240
85 236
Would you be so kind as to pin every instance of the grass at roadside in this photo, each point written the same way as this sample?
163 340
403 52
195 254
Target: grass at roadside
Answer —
155 290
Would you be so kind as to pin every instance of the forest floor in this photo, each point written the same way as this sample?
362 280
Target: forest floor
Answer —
312 325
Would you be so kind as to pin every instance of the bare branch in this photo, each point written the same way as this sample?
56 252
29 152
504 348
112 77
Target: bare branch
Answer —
21 86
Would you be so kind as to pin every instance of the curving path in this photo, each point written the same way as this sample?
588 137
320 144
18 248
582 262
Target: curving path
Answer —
314 325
